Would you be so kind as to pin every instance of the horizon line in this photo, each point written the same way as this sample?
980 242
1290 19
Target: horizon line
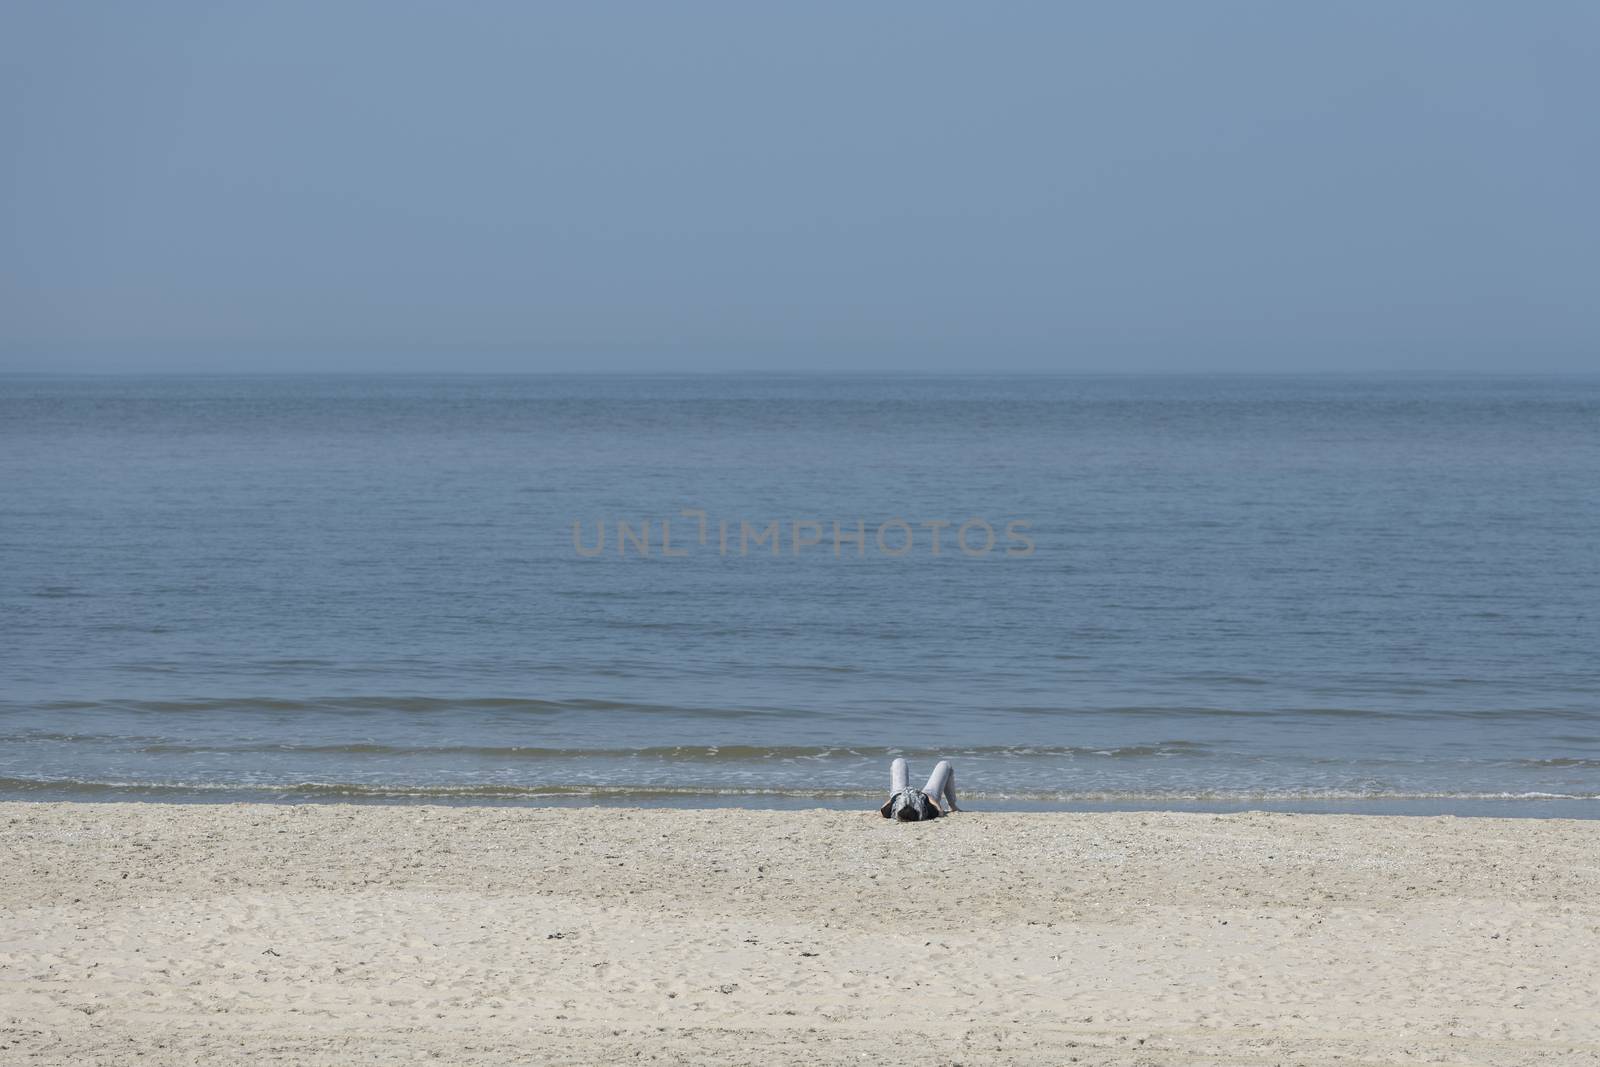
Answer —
828 373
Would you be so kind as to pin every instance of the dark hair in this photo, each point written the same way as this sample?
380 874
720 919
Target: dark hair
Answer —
908 813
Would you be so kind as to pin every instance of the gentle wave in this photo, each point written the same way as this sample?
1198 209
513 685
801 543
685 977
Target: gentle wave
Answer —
537 706
687 753
356 790
1561 761
312 790
731 754
398 704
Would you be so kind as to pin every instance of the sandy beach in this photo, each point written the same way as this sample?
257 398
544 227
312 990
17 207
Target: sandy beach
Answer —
325 934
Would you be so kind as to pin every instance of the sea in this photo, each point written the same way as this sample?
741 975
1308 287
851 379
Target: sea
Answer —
1305 593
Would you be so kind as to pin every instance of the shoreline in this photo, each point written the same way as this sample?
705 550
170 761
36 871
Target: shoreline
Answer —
1468 806
328 933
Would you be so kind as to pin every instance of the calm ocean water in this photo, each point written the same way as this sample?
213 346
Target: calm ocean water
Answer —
1346 593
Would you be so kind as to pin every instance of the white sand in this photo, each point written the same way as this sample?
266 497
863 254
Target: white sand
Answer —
158 934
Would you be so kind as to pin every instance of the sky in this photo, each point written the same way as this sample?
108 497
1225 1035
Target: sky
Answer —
900 187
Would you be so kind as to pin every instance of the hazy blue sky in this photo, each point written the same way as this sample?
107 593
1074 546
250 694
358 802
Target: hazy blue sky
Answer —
1196 185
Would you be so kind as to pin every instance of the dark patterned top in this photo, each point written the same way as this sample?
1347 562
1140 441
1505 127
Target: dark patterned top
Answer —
910 805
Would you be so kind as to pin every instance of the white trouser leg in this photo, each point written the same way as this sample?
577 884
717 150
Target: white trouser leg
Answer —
897 776
942 781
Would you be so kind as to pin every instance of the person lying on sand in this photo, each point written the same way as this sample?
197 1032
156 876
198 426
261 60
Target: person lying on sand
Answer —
913 805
